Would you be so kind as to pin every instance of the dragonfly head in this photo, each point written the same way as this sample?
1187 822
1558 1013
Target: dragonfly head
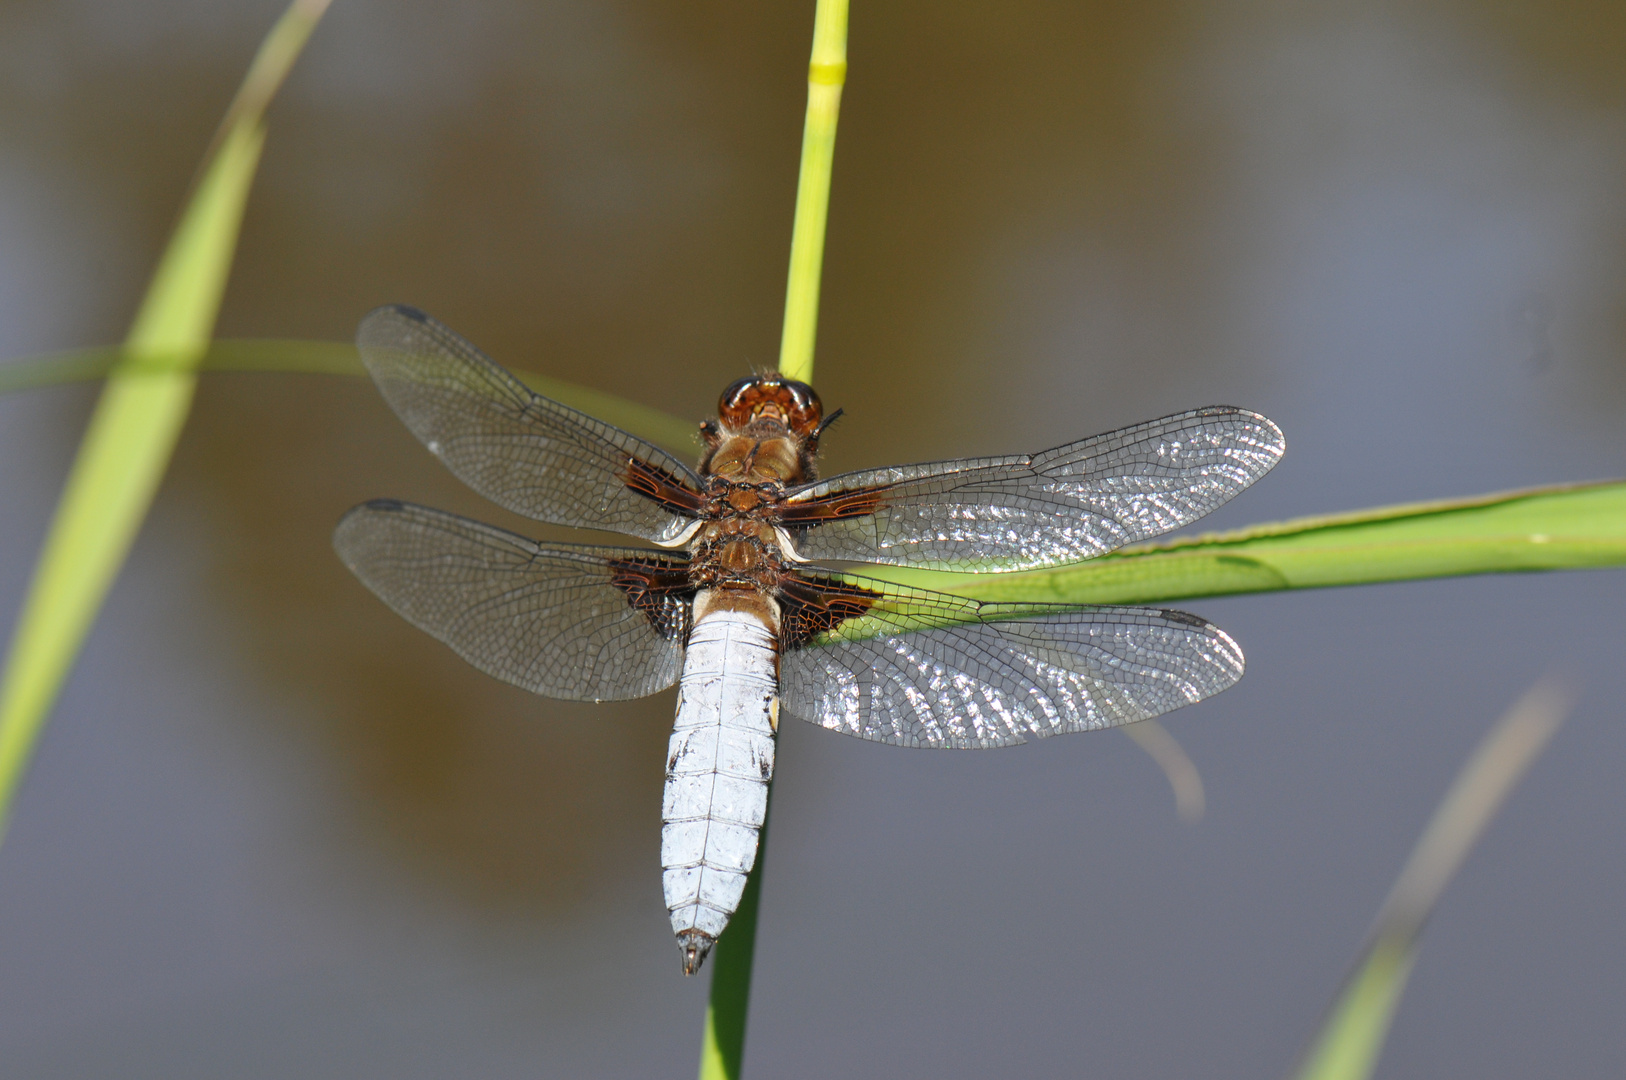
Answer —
772 397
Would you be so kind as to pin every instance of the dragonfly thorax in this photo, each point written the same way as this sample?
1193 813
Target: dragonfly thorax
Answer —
737 553
764 452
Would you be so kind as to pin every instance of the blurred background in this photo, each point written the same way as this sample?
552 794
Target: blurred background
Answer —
273 831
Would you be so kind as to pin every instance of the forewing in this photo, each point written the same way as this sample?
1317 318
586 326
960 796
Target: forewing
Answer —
579 622
916 668
532 455
1018 513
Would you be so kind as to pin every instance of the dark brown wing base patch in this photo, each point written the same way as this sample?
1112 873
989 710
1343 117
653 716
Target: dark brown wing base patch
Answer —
658 485
660 589
810 606
846 504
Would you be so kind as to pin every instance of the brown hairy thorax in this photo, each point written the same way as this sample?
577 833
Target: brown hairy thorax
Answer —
763 440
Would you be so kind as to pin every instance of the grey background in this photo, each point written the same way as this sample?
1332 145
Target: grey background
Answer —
274 832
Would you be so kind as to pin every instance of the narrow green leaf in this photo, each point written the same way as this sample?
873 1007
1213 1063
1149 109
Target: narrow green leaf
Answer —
139 416
1355 1029
250 354
325 358
1567 527
1354 1034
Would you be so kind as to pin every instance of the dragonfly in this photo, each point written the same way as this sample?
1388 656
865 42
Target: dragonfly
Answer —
729 596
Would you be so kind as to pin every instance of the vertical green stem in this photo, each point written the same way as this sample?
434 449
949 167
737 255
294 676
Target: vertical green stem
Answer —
825 76
723 1044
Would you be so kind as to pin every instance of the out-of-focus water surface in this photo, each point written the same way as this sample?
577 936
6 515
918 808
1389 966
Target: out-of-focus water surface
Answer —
273 831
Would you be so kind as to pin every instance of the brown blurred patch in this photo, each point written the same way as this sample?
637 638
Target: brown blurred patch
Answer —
1566 53
501 796
1574 44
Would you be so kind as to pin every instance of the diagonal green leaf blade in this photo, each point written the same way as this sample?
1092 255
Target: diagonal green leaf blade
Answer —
1348 1046
1355 1029
1568 527
139 417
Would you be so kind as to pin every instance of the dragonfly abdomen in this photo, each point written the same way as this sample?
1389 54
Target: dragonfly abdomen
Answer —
717 771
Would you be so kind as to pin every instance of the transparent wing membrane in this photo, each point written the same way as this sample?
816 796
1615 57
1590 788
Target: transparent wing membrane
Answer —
918 668
896 665
1018 513
570 621
532 455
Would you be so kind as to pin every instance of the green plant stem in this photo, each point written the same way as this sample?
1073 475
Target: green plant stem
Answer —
139 417
723 1041
826 74
723 1045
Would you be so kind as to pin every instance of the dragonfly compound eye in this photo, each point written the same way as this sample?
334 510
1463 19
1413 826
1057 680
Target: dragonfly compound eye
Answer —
794 404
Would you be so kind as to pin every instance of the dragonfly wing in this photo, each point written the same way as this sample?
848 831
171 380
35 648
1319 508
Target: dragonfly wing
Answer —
571 621
1019 513
533 456
916 668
